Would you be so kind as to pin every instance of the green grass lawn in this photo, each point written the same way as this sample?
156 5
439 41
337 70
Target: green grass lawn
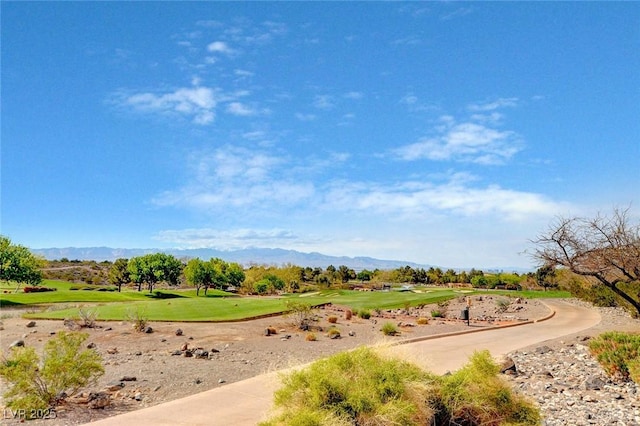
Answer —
183 305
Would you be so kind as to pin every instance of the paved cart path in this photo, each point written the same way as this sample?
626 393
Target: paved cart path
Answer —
248 402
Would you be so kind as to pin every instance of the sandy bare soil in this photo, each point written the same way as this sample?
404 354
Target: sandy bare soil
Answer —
145 369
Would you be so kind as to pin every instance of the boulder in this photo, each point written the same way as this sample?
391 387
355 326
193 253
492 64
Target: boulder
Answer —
508 366
31 324
179 332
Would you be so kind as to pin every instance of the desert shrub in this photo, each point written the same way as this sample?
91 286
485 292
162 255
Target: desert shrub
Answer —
502 304
364 314
347 314
311 337
422 321
299 313
64 370
138 319
618 353
87 317
333 333
437 313
332 319
354 388
475 395
389 329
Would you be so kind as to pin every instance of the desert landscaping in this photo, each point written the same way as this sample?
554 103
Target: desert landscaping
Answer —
172 360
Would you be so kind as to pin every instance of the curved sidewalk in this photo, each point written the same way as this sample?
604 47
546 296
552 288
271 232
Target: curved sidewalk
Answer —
248 402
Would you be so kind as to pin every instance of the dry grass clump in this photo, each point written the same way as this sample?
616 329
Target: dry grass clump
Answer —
422 321
332 319
361 387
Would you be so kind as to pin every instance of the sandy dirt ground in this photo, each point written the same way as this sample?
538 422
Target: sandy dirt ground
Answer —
145 369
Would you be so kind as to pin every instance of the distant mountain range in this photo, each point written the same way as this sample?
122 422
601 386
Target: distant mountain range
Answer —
261 256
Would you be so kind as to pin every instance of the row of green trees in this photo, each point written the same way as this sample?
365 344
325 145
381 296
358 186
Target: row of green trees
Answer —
151 269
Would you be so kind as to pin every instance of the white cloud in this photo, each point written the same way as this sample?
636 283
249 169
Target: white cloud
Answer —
491 106
323 102
420 199
196 102
305 117
474 141
230 178
238 108
233 239
353 95
219 47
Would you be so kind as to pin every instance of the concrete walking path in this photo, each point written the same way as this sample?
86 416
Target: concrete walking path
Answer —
248 402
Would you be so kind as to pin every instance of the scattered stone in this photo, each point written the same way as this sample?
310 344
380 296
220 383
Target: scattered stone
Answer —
184 347
114 386
179 332
177 352
31 324
138 396
138 353
91 345
99 400
352 333
594 383
201 354
221 381
16 344
214 351
542 350
148 329
112 351
187 353
508 366
128 379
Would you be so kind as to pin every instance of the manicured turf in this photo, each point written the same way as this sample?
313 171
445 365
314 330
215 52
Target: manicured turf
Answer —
183 305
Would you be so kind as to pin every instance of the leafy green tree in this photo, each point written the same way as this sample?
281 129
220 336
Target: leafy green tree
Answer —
154 268
364 275
235 274
197 274
344 273
119 274
18 264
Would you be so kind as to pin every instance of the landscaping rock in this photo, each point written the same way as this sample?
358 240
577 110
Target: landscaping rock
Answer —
99 400
17 343
31 324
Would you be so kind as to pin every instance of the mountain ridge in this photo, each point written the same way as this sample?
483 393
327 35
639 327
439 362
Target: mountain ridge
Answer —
246 257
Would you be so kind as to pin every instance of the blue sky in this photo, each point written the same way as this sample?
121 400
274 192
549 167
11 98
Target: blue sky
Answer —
440 133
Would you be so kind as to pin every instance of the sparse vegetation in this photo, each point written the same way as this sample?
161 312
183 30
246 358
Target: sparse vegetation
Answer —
333 333
502 304
364 313
64 370
311 337
618 353
422 321
332 319
363 388
138 319
389 329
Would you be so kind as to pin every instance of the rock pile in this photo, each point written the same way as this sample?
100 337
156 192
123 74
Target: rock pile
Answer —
570 386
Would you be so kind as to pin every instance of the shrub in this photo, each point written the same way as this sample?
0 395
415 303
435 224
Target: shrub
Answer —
299 313
64 370
389 329
503 305
87 317
356 387
422 321
333 333
138 319
311 337
364 314
332 319
38 289
436 313
475 395
618 353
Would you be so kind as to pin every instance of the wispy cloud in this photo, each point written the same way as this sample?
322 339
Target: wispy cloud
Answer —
420 199
232 177
198 103
219 47
477 139
325 102
233 239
